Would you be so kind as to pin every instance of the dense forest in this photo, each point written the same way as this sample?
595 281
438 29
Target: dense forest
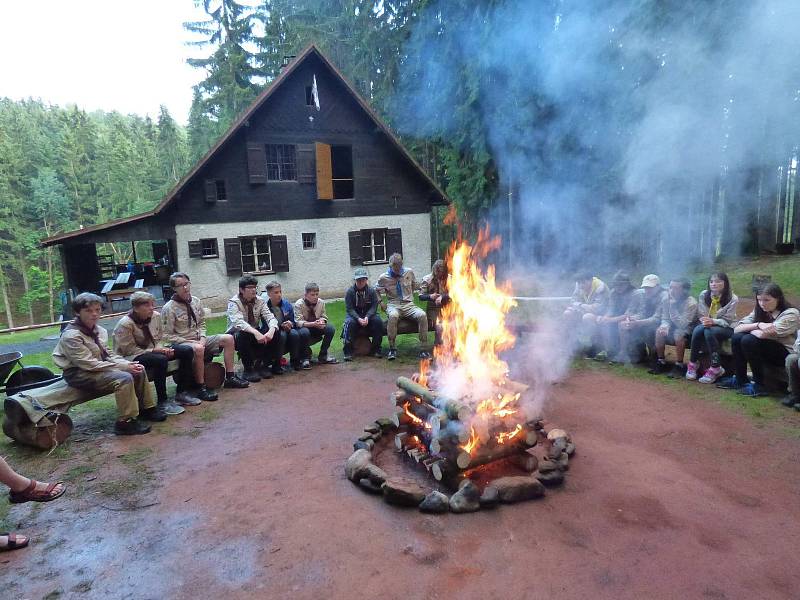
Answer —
599 108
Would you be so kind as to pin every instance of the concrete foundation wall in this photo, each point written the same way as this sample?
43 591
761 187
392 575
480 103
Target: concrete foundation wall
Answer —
328 264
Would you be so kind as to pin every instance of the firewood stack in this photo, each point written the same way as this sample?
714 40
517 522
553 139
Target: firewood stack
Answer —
449 438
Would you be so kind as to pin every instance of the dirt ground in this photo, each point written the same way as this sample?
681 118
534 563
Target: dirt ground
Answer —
667 497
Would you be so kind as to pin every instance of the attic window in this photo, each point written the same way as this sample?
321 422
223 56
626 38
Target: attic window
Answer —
309 96
222 194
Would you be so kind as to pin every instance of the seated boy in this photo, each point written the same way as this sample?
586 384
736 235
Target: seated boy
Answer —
398 285
82 353
287 328
608 323
138 337
312 322
678 316
434 290
254 329
184 322
642 318
589 300
361 308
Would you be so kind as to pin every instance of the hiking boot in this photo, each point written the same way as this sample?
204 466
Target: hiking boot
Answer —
207 395
277 369
131 427
171 408
392 354
251 376
753 390
728 383
186 399
154 413
712 374
234 381
789 401
678 371
691 371
264 372
659 367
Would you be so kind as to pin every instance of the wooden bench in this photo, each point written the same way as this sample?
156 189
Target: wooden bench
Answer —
361 343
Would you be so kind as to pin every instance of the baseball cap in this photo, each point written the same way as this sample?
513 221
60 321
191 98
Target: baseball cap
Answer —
360 273
651 281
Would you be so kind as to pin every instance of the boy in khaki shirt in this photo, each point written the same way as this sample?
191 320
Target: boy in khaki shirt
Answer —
313 326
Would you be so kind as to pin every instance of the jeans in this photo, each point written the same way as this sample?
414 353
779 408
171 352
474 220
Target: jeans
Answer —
184 354
289 342
373 328
156 365
748 348
251 351
311 335
708 340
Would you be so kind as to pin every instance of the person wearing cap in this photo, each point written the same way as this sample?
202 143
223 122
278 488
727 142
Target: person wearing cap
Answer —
254 329
361 314
638 327
434 291
717 310
607 324
589 300
678 316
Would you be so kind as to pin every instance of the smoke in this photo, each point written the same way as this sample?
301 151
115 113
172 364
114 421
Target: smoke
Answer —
626 132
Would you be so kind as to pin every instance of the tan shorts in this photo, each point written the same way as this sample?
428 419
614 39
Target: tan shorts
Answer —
213 343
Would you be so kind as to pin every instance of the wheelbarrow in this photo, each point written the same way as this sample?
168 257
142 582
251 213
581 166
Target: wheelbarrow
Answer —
24 378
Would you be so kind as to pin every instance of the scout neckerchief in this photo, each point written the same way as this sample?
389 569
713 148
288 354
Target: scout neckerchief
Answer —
144 325
188 305
92 333
251 317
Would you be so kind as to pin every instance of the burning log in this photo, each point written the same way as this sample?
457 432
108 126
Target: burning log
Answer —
400 417
415 389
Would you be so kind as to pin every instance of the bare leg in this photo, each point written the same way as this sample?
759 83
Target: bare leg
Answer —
660 344
680 348
17 482
227 344
199 364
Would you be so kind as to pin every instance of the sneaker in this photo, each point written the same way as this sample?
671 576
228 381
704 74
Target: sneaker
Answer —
789 401
186 399
423 355
234 381
620 359
171 408
207 395
305 364
264 372
728 383
324 359
251 376
601 356
752 389
277 369
392 354
376 354
712 374
154 413
678 371
691 371
659 367
131 427
348 357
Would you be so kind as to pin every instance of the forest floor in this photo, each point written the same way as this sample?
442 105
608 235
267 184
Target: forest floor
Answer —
673 493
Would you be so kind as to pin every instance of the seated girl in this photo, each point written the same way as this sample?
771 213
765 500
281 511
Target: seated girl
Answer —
766 335
717 310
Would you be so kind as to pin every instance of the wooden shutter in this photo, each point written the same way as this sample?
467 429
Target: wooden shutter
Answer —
394 242
306 172
195 249
233 255
211 190
280 254
356 248
257 163
324 171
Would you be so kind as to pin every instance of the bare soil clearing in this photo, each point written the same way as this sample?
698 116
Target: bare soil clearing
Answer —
667 497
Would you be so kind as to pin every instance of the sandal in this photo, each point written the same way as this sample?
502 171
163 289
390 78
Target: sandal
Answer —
13 542
31 494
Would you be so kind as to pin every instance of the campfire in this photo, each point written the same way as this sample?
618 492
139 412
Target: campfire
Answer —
461 416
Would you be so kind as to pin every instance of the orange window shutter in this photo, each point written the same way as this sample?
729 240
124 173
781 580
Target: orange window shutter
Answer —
324 172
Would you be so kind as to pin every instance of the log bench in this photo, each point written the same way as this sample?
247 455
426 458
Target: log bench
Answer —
361 343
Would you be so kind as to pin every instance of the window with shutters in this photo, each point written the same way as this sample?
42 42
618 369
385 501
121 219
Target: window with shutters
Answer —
309 241
373 242
281 162
208 248
256 255
222 193
342 172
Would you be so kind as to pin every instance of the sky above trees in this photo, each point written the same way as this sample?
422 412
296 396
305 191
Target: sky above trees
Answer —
100 54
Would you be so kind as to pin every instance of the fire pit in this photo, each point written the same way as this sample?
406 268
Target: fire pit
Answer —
461 418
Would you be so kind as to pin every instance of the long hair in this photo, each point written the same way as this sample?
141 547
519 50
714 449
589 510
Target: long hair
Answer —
726 295
775 291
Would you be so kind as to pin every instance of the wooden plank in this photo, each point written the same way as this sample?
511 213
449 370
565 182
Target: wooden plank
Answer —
324 172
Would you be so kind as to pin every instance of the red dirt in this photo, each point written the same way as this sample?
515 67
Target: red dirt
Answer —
667 497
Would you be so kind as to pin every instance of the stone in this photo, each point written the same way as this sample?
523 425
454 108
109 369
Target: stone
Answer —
563 461
385 423
364 437
435 502
372 428
376 436
466 499
359 445
570 449
556 434
551 478
368 486
372 472
545 466
490 497
518 488
358 460
403 492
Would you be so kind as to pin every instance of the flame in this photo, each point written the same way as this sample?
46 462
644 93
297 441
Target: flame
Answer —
424 368
500 407
472 443
505 436
414 418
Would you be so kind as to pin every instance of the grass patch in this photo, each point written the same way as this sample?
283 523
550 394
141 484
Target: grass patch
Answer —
24 337
208 415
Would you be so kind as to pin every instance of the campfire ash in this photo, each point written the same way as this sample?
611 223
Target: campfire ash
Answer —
461 414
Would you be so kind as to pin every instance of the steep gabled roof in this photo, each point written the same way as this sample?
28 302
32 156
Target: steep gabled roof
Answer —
174 193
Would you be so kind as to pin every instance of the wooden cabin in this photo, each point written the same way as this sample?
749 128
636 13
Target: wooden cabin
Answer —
307 184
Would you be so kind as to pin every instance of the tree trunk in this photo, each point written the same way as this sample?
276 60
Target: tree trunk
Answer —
26 286
50 290
6 304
